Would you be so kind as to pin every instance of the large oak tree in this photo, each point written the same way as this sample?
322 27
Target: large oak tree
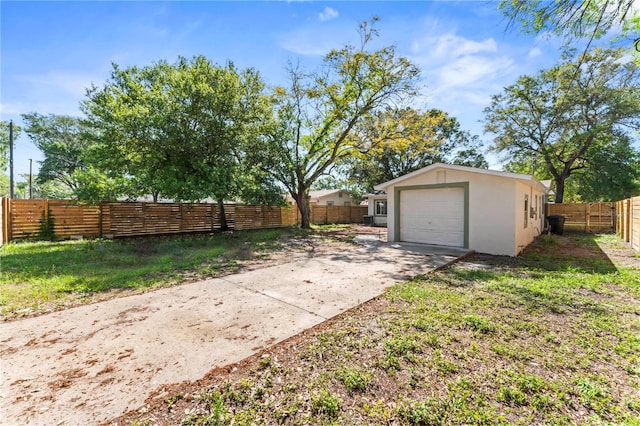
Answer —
319 114
181 129
567 115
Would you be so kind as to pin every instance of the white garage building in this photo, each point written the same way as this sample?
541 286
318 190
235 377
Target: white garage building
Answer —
484 210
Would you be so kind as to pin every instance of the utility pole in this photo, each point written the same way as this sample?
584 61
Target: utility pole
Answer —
30 179
11 159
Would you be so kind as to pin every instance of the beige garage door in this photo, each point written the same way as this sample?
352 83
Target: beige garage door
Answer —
432 216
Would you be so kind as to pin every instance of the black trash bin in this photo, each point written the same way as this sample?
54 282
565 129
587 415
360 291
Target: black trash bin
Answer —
556 224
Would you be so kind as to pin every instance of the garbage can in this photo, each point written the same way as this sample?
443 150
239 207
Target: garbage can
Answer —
367 220
556 224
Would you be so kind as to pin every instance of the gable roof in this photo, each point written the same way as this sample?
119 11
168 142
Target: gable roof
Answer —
509 175
324 192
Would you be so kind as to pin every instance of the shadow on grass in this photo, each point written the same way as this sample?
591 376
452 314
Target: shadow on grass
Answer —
572 252
556 274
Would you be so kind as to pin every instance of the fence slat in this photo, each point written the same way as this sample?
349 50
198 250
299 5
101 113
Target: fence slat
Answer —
21 218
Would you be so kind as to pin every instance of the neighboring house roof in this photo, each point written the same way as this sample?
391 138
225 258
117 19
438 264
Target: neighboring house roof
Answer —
526 178
324 192
547 184
316 195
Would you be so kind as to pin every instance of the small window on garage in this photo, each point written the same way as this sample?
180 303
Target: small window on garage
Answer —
526 210
381 208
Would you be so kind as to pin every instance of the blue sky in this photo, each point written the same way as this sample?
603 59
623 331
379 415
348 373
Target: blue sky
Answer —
52 51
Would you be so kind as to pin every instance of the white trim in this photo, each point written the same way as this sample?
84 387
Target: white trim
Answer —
526 178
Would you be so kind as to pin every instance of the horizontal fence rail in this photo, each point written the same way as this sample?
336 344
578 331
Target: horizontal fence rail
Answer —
23 219
586 217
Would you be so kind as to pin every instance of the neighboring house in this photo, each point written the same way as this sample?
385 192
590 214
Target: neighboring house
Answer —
483 210
377 206
329 197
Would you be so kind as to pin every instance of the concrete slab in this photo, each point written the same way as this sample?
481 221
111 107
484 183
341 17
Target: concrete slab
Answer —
71 367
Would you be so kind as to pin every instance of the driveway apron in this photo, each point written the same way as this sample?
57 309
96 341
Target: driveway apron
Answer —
91 363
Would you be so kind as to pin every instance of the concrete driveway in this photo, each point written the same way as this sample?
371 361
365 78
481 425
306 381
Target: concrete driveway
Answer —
92 363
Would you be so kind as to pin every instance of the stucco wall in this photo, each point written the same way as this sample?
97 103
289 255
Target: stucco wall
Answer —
377 220
535 219
337 200
494 209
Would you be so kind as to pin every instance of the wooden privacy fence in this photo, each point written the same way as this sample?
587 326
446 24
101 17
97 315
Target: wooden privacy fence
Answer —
22 219
586 217
628 221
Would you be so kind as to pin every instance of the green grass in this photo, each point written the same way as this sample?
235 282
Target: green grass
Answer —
551 337
44 275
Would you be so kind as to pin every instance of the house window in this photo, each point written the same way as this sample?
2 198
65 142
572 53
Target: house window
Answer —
381 208
526 210
329 203
339 194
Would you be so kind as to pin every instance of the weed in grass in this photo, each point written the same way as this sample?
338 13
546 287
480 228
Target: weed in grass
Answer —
431 411
398 347
325 404
171 400
479 324
217 413
446 367
264 362
593 394
511 396
379 411
354 379
511 352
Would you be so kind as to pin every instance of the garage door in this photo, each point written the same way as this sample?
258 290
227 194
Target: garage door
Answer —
432 216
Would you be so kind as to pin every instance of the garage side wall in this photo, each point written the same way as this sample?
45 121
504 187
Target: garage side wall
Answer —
491 216
529 223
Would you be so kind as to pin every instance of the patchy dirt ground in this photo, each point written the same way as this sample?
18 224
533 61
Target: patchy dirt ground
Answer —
278 383
93 362
293 358
323 241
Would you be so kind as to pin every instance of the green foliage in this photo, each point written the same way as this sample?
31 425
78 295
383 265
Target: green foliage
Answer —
574 120
68 148
400 141
319 115
46 230
478 323
353 379
182 129
325 404
4 143
572 18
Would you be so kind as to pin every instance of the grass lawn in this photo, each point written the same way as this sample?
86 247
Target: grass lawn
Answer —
42 276
551 337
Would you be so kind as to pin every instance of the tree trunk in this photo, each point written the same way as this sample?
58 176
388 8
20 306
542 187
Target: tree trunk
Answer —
223 217
302 200
560 189
155 196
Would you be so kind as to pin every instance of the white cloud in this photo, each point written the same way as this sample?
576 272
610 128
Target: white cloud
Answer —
327 14
534 53
471 70
448 46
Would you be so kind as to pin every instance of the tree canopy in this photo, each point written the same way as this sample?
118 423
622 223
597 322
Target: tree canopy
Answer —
67 146
4 142
318 116
569 115
180 129
573 18
404 140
